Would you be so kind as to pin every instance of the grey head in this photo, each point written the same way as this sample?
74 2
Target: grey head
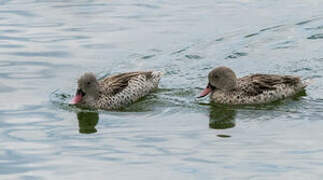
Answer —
223 78
87 90
220 78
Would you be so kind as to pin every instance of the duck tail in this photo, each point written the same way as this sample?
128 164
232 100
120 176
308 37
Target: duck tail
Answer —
307 82
157 74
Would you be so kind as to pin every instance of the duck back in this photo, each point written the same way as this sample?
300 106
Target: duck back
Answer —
123 89
259 89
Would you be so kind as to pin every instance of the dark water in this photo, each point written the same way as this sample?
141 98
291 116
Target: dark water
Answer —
46 45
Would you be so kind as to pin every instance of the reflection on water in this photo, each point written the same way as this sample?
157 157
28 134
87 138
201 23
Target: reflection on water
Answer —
87 122
46 45
222 117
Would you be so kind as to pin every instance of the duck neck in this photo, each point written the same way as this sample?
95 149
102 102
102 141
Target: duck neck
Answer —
231 85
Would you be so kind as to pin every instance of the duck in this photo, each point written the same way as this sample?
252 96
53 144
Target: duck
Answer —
114 92
225 88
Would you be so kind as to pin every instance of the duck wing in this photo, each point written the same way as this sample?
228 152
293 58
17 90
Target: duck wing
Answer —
117 83
258 83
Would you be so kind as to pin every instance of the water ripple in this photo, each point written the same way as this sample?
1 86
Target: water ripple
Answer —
13 38
56 54
27 69
316 36
46 45
38 25
235 55
18 12
11 46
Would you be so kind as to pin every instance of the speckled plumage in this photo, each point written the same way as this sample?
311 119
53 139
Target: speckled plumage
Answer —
117 91
253 89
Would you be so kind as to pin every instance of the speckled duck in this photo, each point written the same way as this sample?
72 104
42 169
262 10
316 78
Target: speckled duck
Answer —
226 88
116 91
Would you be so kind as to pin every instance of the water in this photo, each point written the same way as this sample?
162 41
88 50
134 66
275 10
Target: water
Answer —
46 45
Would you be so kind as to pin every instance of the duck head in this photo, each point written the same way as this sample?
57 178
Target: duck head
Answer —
87 89
220 78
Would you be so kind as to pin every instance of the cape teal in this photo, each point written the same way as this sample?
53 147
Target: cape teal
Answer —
116 91
225 88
